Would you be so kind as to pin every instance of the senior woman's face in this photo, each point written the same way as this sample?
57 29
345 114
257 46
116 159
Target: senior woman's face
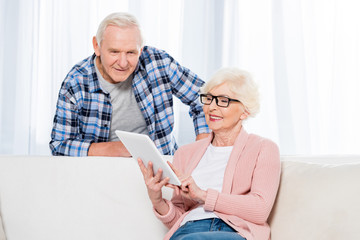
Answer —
224 118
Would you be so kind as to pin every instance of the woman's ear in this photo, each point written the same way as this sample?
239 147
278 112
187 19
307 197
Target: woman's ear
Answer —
244 115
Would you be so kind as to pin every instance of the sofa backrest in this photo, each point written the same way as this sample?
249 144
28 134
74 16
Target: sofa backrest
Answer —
90 198
317 201
95 198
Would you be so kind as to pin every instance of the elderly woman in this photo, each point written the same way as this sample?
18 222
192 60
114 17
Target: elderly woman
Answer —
230 179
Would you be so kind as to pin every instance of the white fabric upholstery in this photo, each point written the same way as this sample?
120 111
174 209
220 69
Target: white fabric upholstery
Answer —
95 198
88 198
2 233
317 201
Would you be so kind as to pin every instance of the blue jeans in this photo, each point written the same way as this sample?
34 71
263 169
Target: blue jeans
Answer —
212 228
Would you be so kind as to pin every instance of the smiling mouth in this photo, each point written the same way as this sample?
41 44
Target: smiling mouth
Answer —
120 70
215 118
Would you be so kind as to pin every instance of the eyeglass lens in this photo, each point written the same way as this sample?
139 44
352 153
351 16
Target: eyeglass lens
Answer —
220 101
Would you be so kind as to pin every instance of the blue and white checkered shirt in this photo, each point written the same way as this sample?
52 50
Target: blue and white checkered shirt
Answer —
83 112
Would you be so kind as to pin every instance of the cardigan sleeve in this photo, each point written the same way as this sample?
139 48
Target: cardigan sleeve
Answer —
211 198
178 204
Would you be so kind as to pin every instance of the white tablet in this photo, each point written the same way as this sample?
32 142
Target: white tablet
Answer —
141 146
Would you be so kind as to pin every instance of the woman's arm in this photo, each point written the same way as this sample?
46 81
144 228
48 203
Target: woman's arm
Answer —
154 184
255 205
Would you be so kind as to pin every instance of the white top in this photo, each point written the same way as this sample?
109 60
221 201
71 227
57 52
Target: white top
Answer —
209 173
126 114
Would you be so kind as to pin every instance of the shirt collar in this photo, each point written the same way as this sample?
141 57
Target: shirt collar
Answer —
94 85
141 64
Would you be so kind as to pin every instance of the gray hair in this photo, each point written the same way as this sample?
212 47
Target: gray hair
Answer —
241 84
120 19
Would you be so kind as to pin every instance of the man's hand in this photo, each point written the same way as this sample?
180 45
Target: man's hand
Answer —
109 149
202 135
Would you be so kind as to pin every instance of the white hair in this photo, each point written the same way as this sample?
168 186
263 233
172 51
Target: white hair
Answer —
241 84
120 19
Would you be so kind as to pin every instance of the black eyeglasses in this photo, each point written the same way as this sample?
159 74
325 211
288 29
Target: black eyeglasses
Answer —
221 101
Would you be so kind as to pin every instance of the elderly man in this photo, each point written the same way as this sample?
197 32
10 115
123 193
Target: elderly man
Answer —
122 86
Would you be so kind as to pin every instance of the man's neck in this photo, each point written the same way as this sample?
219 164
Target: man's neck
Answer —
99 66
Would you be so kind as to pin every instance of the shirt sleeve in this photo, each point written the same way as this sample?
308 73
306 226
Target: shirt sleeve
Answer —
186 86
65 138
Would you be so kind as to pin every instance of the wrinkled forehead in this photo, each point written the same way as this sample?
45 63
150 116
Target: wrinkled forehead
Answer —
122 36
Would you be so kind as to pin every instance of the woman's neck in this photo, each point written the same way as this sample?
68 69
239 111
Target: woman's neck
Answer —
225 138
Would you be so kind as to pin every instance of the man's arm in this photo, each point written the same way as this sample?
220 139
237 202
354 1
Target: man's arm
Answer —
186 86
65 133
202 136
110 149
65 138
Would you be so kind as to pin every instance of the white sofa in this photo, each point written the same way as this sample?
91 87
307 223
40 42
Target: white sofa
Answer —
92 198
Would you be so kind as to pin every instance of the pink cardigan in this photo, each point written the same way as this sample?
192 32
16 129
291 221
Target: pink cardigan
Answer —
250 186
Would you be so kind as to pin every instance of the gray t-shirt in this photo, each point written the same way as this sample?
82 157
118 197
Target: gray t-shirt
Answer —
126 114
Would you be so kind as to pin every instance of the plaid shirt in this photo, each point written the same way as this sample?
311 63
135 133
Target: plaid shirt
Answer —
83 112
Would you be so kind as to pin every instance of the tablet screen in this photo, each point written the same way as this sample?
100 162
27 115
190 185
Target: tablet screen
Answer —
141 146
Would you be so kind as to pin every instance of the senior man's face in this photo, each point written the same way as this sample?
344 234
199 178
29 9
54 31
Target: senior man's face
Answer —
118 53
224 119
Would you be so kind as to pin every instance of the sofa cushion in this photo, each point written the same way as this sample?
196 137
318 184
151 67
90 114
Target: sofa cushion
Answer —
317 201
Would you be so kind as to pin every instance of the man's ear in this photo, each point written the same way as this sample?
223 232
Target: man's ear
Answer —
96 47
